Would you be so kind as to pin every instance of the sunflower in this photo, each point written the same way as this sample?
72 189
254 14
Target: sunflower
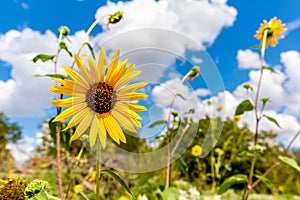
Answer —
275 29
100 99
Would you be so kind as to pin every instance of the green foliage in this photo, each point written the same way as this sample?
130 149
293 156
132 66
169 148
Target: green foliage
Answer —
118 179
244 106
233 180
269 69
289 161
59 76
271 119
43 57
63 46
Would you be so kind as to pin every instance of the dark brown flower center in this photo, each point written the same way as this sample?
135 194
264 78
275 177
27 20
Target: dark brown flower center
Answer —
101 98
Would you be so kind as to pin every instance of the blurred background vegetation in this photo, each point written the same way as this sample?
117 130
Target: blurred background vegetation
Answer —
228 157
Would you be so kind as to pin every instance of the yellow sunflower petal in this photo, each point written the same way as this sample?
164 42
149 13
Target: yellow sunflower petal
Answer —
83 69
102 132
70 124
64 115
131 88
113 63
101 65
65 82
62 102
137 107
114 130
94 131
94 70
123 121
131 96
130 68
83 125
61 90
76 77
124 109
126 79
136 123
117 73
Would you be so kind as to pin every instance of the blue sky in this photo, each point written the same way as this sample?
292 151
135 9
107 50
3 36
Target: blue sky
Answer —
236 33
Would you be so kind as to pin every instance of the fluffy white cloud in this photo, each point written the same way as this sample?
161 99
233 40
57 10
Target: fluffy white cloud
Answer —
22 150
248 59
23 94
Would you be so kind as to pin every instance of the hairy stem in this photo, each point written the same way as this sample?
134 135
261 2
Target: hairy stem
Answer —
98 170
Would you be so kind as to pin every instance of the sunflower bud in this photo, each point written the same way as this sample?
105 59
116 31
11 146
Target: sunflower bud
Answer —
35 187
64 30
115 18
193 73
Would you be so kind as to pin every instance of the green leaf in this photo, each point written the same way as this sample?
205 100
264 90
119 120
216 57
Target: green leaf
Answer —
271 119
63 46
255 47
90 48
183 166
233 180
179 95
118 179
289 161
41 196
61 76
270 69
245 154
159 122
264 180
170 193
244 106
43 57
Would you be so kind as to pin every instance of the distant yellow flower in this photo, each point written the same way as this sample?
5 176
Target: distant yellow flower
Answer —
11 172
236 118
124 198
78 188
92 176
219 151
220 108
275 29
209 102
281 188
196 150
11 160
99 98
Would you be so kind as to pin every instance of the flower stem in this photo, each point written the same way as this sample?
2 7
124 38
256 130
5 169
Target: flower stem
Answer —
87 35
58 127
170 152
98 171
254 158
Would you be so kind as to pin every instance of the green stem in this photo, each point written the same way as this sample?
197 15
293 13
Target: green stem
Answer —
52 197
250 185
87 35
98 170
169 156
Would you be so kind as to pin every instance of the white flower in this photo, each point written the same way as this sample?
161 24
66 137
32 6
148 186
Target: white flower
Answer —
194 193
142 197
183 195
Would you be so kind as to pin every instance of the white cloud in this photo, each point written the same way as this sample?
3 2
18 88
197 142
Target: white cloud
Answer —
22 150
202 92
248 59
293 25
25 6
197 60
23 94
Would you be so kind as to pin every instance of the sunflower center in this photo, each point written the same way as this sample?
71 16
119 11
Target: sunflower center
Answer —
101 98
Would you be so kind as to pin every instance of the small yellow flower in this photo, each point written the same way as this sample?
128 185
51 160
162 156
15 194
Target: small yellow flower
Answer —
219 151
78 188
209 102
11 160
196 150
236 118
92 176
124 198
11 172
281 188
220 108
275 29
